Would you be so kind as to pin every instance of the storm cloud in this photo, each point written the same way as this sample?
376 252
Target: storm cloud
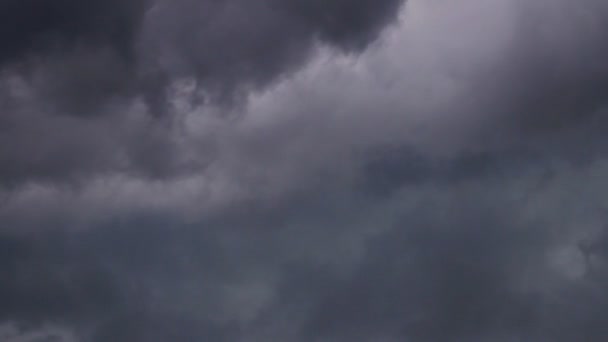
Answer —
120 59
226 170
83 55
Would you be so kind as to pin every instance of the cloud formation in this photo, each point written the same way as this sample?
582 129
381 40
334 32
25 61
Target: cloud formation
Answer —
84 55
66 63
303 171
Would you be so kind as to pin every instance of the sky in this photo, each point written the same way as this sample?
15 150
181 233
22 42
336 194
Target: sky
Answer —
303 170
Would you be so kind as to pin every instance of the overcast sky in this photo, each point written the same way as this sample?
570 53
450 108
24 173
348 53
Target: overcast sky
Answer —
303 170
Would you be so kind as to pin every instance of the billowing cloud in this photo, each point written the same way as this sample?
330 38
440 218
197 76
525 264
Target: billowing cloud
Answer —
116 58
303 171
81 57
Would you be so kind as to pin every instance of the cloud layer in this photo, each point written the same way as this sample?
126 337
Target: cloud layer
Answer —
303 170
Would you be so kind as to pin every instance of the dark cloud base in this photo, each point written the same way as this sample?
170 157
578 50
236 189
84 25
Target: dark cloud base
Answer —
451 268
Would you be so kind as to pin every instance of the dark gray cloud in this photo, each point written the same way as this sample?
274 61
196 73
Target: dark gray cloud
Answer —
482 260
297 182
137 47
105 58
32 26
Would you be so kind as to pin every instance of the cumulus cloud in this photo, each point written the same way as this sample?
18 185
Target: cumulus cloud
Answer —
303 171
